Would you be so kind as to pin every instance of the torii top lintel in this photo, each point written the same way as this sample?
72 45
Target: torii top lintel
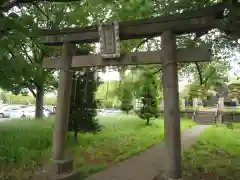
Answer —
198 21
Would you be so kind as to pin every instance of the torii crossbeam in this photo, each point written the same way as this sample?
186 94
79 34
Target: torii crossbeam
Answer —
184 55
198 22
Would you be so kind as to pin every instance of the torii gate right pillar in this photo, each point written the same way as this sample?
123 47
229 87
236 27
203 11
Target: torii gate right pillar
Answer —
172 136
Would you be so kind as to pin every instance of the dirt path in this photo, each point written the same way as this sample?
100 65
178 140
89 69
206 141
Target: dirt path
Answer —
145 165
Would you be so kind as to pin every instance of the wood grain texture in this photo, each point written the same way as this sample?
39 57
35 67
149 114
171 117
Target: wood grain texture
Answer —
185 55
172 136
63 103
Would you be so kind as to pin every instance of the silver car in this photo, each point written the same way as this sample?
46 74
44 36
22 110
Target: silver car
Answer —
5 111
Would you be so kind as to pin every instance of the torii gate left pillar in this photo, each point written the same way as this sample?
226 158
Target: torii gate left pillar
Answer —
61 167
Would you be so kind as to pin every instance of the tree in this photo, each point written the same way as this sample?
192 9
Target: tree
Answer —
22 54
83 104
82 116
125 95
234 90
148 94
213 76
107 94
196 90
126 100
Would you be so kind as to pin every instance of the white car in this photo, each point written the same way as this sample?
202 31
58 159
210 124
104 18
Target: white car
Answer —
105 112
28 112
2 105
17 114
6 110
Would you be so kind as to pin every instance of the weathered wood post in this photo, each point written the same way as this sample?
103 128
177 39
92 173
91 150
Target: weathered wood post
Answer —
171 107
62 166
63 101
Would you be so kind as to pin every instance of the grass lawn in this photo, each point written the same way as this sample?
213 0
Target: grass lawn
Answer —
236 125
215 156
26 145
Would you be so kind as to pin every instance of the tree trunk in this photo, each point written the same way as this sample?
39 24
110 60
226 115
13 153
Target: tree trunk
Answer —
75 136
148 122
39 101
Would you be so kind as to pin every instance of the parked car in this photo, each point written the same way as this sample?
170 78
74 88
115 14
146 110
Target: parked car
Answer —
28 112
2 105
49 108
20 113
6 110
109 111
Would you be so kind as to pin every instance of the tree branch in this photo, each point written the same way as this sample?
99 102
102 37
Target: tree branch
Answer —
32 91
196 63
141 43
43 54
207 78
157 71
36 5
33 82
28 57
199 73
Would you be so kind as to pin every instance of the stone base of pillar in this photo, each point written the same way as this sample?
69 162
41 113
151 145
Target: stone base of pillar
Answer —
58 170
162 176
54 176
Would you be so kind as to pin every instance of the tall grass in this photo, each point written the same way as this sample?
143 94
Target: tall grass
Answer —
22 141
216 155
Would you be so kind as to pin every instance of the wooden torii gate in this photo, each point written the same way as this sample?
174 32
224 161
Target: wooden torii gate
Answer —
198 22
